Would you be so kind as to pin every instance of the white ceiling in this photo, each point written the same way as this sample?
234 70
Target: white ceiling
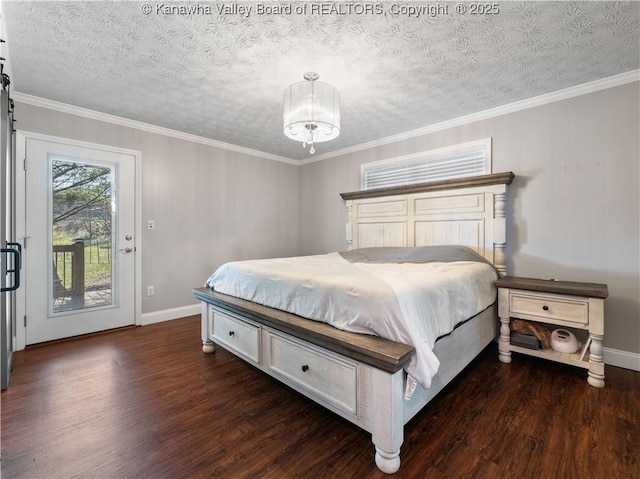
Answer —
222 76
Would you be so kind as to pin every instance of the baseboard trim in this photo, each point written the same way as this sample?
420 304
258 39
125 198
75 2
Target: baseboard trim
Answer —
612 357
622 359
169 314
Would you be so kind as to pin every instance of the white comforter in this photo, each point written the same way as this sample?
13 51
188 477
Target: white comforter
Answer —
408 303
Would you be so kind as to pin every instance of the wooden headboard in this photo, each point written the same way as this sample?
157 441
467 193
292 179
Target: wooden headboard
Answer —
465 211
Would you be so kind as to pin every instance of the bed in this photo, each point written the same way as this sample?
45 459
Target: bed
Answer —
374 378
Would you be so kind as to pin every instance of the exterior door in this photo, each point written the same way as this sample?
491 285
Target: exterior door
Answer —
80 246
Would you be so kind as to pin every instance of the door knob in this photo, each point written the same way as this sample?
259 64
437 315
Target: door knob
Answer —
126 250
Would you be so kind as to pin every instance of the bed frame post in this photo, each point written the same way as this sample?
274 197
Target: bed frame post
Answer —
207 344
387 431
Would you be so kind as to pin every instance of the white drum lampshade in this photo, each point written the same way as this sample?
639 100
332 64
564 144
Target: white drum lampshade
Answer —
311 111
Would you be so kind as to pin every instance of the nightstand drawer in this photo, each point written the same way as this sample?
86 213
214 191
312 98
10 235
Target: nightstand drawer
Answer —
550 307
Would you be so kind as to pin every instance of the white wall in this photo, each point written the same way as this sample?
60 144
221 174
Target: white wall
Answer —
209 205
573 206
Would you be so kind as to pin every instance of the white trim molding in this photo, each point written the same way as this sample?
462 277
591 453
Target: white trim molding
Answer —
139 125
590 87
622 359
169 314
571 92
612 357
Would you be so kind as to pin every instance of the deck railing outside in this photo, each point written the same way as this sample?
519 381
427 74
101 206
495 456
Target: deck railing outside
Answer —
68 273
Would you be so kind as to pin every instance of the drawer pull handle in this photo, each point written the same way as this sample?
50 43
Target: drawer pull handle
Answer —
305 368
545 308
231 333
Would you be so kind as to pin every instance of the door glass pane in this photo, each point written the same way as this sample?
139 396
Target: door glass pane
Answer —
81 225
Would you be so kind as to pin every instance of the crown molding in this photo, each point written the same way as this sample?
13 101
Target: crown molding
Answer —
139 125
571 92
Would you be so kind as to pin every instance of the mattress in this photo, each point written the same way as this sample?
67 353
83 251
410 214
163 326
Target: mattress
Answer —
408 295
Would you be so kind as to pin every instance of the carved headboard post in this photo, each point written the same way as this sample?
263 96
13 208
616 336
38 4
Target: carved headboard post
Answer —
349 224
500 232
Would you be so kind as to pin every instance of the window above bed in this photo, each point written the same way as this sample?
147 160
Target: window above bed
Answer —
456 161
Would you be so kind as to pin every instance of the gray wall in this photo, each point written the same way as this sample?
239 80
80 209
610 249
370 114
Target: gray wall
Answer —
573 206
209 205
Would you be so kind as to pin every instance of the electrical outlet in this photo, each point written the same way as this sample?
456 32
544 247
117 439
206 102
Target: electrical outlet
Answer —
151 225
151 291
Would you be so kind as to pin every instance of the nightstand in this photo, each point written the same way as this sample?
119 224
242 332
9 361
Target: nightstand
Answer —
577 307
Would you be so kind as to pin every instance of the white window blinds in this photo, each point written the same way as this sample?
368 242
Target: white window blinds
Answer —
469 159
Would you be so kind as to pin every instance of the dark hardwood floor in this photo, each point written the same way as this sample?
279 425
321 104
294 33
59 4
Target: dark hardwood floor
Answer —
147 403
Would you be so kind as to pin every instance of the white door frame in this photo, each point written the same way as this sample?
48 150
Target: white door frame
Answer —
21 142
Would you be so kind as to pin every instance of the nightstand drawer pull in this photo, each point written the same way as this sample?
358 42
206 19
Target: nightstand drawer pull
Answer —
545 308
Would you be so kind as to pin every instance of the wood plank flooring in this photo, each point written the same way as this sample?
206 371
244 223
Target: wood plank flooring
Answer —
147 403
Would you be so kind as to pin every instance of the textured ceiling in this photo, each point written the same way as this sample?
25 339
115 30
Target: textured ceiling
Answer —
221 75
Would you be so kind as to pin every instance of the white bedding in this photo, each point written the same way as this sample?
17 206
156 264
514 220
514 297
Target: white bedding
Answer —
406 302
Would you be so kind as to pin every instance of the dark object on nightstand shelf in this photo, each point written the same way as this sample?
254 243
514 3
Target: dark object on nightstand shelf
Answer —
528 341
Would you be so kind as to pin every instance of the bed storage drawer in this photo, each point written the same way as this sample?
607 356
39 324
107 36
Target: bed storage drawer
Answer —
237 334
323 375
550 307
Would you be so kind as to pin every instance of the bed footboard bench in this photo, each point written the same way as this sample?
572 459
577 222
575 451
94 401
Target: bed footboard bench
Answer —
359 377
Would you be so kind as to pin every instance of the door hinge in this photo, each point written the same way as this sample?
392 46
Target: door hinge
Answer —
25 320
24 164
